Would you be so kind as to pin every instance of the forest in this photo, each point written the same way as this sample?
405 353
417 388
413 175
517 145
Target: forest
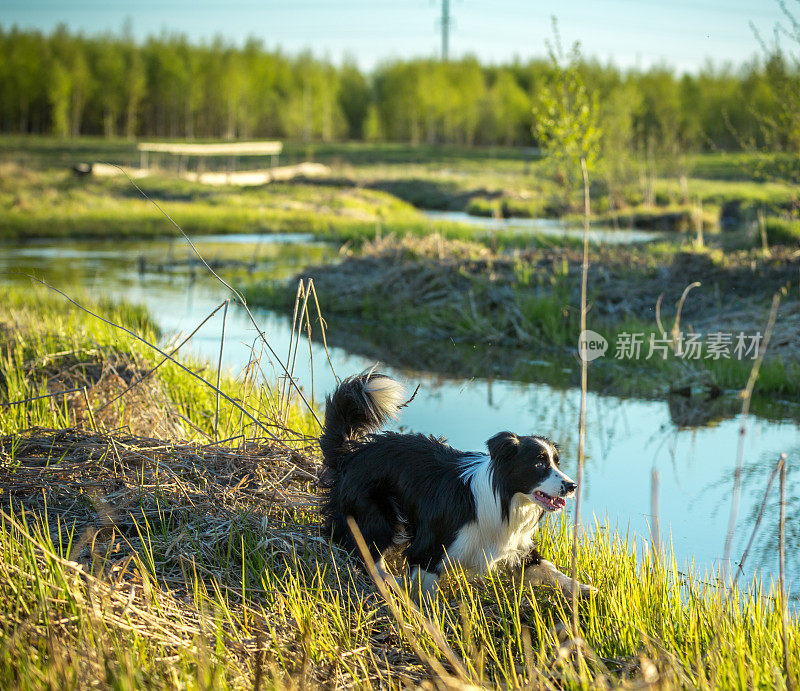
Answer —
167 343
70 84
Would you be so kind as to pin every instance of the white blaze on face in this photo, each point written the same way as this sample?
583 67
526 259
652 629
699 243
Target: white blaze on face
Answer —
553 484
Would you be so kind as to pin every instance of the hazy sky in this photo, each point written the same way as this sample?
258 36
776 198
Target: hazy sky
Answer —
682 33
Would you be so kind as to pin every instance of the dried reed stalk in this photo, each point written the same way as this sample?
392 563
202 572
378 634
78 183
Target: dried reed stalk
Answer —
584 388
747 395
219 370
238 295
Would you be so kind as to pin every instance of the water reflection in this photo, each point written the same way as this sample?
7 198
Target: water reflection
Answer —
550 227
626 438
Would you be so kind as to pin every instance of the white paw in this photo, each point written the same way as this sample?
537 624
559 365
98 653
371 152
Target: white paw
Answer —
584 590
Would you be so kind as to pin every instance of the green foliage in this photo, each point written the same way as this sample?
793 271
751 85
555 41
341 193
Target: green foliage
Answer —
566 123
508 109
783 231
69 84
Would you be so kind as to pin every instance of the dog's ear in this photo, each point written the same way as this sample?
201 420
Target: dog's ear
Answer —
503 445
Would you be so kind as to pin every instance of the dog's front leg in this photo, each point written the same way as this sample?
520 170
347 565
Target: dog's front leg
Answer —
538 571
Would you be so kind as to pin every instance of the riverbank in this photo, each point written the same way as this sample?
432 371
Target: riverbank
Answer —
157 556
57 204
54 204
437 290
378 188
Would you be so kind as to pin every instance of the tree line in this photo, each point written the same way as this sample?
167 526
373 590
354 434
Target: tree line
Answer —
68 84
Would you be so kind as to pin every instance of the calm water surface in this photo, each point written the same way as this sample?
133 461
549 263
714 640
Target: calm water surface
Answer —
627 439
551 227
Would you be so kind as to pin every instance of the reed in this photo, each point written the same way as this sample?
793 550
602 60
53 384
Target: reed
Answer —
163 557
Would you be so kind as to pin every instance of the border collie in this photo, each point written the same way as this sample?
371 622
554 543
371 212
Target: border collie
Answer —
445 506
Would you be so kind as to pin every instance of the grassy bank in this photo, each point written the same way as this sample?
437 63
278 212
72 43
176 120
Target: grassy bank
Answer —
56 204
367 184
49 347
467 294
138 552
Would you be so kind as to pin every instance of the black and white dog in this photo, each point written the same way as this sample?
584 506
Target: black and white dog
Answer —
446 506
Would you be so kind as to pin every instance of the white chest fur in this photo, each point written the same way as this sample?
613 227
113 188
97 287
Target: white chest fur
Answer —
489 540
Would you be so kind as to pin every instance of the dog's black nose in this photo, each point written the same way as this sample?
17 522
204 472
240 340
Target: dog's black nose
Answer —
570 487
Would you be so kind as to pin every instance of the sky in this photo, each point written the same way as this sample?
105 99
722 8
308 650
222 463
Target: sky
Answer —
683 34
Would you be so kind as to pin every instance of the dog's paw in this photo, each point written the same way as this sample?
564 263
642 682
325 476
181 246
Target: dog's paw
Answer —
584 590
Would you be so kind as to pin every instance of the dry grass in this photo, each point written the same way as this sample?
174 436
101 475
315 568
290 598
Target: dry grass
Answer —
159 541
46 470
131 561
102 378
627 280
436 289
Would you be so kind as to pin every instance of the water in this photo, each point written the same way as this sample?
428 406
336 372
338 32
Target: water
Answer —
549 227
627 439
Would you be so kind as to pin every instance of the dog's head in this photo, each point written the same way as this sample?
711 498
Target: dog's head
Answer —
529 466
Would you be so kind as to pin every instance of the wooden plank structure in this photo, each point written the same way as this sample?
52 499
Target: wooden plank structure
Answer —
232 150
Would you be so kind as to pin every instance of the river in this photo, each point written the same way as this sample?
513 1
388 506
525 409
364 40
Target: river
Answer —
628 442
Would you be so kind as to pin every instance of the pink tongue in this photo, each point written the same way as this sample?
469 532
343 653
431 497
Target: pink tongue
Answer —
555 502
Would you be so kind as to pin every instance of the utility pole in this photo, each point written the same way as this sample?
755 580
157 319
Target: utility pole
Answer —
445 28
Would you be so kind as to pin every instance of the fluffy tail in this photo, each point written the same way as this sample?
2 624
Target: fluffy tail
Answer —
361 404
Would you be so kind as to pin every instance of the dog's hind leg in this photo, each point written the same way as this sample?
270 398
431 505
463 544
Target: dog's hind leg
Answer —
378 534
424 584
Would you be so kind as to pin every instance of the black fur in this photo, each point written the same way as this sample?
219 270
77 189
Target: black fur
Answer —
392 483
409 484
533 558
511 476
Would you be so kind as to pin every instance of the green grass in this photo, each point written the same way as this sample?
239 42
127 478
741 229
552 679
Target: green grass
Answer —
506 208
194 575
47 151
309 618
778 378
483 181
55 204
746 166
678 218
782 231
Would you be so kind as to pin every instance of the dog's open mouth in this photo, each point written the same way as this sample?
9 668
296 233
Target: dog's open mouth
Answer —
550 503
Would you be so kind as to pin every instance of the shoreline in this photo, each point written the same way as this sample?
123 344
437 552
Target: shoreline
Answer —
437 290
200 554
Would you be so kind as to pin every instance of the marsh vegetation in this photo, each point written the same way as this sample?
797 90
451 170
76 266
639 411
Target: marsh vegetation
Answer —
158 522
159 556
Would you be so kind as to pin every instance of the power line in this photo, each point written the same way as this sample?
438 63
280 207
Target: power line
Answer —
446 21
